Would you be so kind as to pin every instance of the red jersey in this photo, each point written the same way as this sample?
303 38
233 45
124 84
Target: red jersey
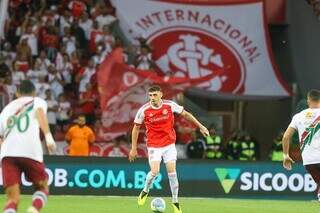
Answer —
77 8
159 122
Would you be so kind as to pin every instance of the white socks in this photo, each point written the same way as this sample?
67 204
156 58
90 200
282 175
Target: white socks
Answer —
174 186
149 180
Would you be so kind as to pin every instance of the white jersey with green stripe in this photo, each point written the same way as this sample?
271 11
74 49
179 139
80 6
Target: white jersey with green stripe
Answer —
307 123
19 128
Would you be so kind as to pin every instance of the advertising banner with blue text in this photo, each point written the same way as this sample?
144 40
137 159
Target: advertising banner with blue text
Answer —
197 178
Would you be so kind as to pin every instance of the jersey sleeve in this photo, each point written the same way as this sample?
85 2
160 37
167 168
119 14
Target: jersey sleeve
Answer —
293 123
176 108
139 116
40 103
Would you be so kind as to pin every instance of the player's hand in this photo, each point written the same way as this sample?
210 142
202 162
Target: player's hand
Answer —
287 162
132 155
51 148
51 145
204 131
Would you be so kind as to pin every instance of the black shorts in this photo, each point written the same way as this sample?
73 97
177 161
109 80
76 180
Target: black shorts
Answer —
314 170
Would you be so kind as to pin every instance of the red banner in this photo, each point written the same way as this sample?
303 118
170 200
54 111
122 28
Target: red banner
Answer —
123 90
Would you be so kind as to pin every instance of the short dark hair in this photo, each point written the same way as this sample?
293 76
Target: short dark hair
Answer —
26 87
154 88
314 95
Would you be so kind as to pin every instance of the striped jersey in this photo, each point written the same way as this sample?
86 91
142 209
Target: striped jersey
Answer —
19 128
159 122
307 123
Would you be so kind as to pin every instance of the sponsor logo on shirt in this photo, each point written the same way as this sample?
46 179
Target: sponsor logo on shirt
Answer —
165 111
309 115
159 118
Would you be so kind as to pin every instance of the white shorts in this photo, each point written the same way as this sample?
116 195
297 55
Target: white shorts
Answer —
168 153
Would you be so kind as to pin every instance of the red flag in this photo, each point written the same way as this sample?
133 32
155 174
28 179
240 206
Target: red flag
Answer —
104 72
124 90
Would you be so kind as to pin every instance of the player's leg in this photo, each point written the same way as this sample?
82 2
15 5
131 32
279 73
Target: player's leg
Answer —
314 170
170 158
35 172
11 175
154 155
39 197
13 198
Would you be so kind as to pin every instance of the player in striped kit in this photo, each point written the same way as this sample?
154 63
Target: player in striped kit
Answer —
21 149
157 115
307 123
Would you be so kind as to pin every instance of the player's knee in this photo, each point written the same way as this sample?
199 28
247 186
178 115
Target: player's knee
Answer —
14 198
41 185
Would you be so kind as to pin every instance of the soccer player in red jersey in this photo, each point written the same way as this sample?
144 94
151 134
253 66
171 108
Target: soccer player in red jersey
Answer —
158 117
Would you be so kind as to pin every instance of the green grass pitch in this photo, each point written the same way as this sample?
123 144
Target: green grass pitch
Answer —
101 204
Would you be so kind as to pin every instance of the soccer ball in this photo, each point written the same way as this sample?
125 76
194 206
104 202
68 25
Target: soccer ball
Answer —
158 205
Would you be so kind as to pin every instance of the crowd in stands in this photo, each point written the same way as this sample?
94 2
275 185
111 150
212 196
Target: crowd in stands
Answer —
59 45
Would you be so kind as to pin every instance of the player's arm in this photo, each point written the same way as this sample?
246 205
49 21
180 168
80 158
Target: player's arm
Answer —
134 141
287 161
191 118
44 126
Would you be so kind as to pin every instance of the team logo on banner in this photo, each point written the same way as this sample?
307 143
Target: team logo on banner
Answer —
193 53
194 39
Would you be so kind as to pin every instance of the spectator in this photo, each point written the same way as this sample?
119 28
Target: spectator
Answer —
75 62
94 33
213 145
51 42
144 60
24 56
4 68
65 21
64 112
65 68
86 24
106 17
55 80
84 77
248 148
43 61
17 74
106 39
276 149
100 55
88 102
10 88
31 35
9 56
51 15
233 146
79 34
42 86
52 111
77 8
69 41
96 9
35 74
80 136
